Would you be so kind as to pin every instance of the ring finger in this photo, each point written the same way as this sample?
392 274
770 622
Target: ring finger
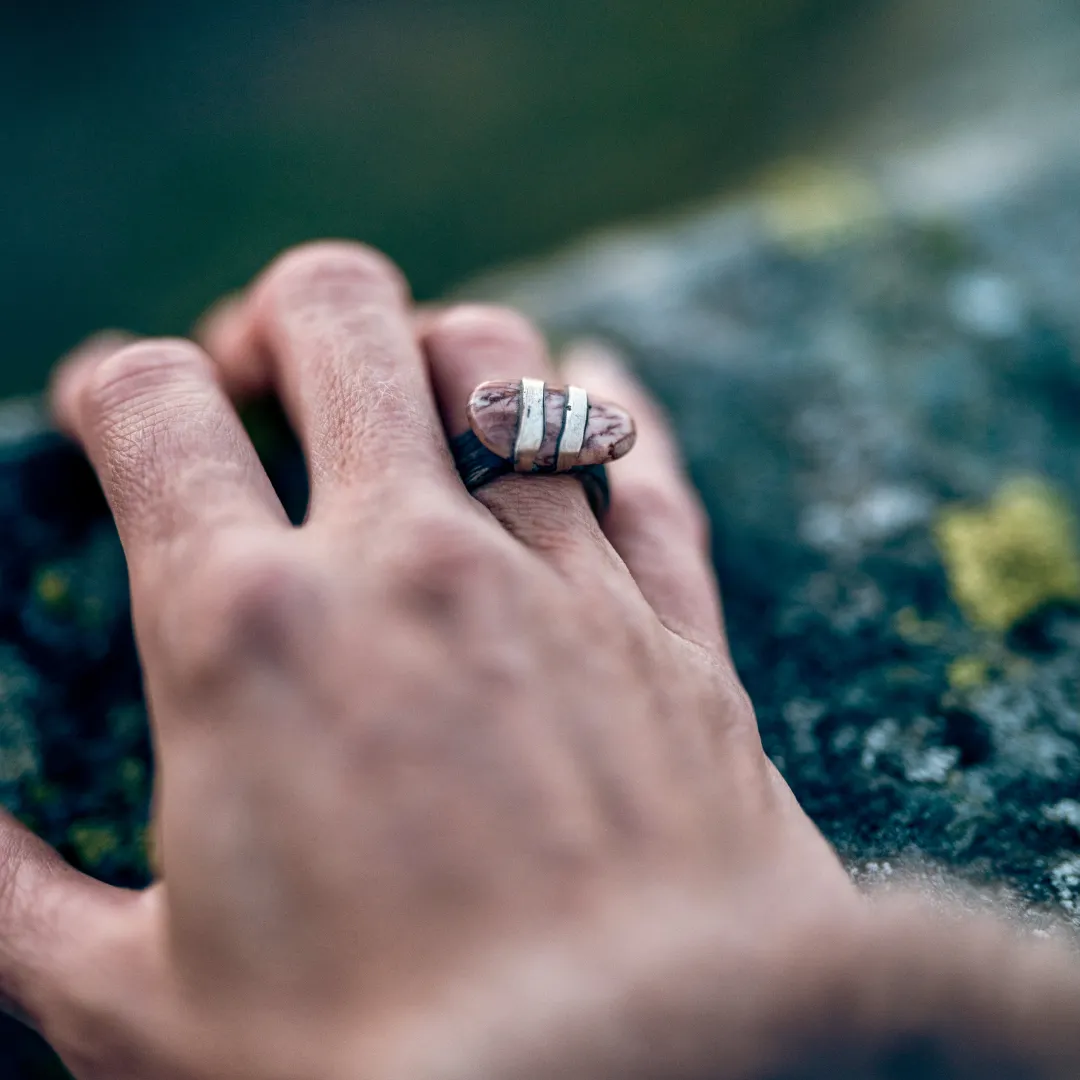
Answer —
472 344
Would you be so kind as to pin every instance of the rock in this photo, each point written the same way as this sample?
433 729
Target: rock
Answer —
74 746
877 389
882 419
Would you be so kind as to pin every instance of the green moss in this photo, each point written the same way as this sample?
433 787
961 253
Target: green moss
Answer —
93 842
811 205
967 673
1010 557
52 588
944 246
132 776
127 721
40 792
903 675
916 630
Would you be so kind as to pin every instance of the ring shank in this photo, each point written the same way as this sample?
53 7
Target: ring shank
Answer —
477 466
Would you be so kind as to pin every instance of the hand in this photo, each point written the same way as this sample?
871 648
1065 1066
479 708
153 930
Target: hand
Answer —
436 775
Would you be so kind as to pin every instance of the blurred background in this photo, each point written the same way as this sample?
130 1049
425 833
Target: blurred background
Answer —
156 154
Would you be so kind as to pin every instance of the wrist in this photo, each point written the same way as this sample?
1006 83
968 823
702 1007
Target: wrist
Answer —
659 985
681 990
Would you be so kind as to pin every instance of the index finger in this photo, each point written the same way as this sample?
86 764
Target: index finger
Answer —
169 449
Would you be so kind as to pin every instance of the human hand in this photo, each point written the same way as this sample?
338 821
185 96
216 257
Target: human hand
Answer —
438 776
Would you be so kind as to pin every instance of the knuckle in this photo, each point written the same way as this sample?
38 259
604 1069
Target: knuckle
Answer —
263 610
328 270
138 371
476 326
698 527
739 704
443 558
735 716
444 547
264 599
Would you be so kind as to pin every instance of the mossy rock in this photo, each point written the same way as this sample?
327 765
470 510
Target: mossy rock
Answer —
880 408
878 395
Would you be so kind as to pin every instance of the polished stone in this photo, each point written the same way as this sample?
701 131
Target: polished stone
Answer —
493 414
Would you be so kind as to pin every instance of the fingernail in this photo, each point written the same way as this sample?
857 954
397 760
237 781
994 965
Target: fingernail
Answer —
493 411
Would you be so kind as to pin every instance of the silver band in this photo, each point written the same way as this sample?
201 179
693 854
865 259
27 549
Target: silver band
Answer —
531 427
573 431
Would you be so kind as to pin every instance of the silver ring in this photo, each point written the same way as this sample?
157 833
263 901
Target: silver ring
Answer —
532 425
572 436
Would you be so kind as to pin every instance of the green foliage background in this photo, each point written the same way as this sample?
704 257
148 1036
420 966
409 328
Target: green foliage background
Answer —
158 154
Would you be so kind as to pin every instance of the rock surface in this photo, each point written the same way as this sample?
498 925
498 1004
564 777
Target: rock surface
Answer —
879 398
880 406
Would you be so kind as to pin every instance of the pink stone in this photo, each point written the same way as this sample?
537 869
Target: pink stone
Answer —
493 414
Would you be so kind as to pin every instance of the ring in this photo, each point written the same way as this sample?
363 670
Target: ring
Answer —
530 427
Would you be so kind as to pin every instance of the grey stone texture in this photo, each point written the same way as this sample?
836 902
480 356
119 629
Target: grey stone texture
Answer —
874 376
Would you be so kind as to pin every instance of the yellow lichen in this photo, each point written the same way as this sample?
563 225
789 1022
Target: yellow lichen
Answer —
903 675
810 205
915 630
93 841
132 776
39 792
51 587
967 673
1018 668
1012 556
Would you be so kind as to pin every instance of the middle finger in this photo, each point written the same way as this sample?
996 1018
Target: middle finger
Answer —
333 322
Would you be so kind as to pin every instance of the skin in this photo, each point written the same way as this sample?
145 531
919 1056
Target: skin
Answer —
446 786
